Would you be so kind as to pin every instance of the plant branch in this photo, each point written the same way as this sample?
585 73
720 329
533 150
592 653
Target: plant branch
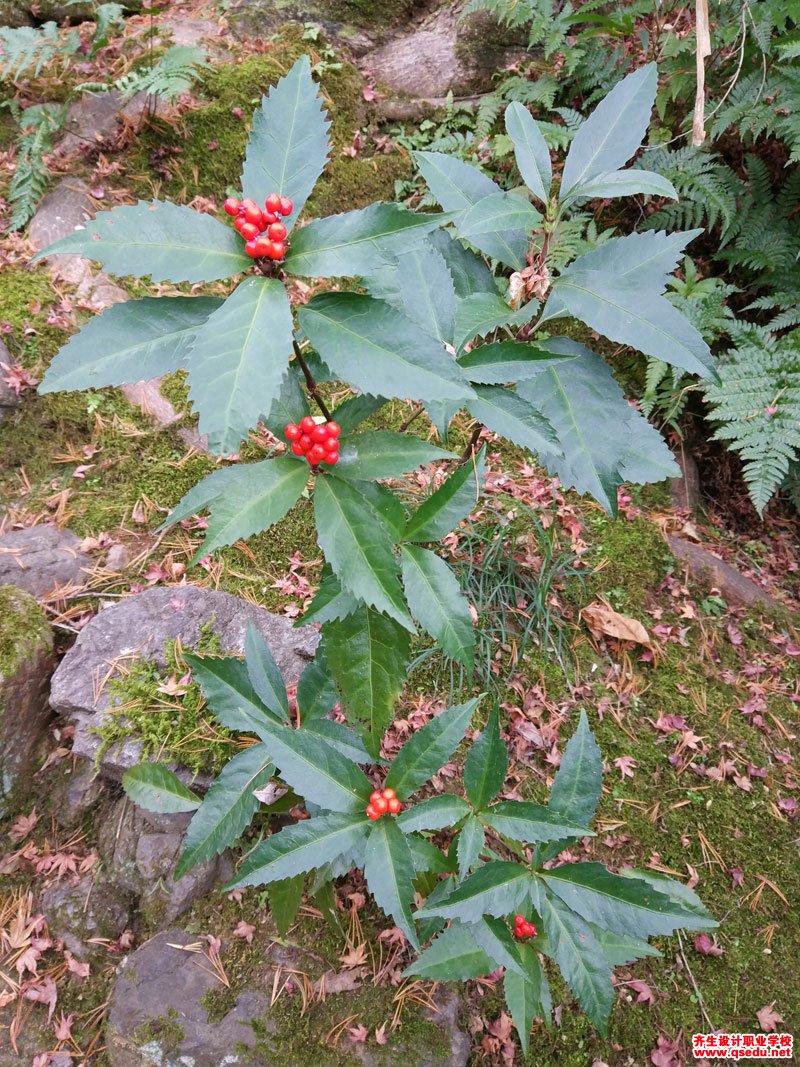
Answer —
466 455
313 388
414 414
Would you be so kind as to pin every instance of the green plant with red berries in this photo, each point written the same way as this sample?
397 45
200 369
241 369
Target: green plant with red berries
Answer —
493 895
451 315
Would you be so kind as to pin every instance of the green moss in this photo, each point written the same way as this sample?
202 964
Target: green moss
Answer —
24 630
631 558
164 1031
26 295
173 728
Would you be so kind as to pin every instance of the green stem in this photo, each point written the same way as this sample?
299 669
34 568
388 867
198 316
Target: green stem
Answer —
313 388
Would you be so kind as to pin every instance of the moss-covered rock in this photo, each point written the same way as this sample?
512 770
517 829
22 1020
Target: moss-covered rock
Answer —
26 663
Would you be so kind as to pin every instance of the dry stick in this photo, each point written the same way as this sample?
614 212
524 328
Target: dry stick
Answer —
313 388
466 455
697 992
414 414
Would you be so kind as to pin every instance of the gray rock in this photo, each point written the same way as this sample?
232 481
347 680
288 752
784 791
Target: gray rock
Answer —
140 860
706 568
77 792
91 119
140 626
443 53
117 558
9 400
68 206
92 908
156 1018
26 663
41 559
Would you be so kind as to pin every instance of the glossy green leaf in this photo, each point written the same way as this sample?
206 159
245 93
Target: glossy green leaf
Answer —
577 397
290 405
330 601
264 673
623 311
387 507
496 889
302 847
357 547
527 995
353 411
620 949
495 213
316 692
167 242
523 821
448 505
433 814
467 269
530 150
497 942
507 361
368 656
157 788
285 898
578 782
384 454
437 602
513 417
238 360
623 183
389 871
244 499
356 242
129 342
419 283
288 145
227 808
479 314
454 956
614 130
376 348
457 186
315 770
229 692
486 764
624 905
426 857
574 948
429 748
649 258
681 895
340 737
469 845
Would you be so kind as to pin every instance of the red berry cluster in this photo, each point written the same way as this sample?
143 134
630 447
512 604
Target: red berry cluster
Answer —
381 803
317 441
522 928
263 232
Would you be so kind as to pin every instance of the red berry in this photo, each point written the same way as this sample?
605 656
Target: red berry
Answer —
334 429
277 231
375 796
249 231
231 206
239 221
292 432
298 449
305 442
389 793
286 207
315 455
273 204
307 424
372 813
250 249
394 805
381 804
331 458
519 920
320 434
263 246
277 250
269 217
252 214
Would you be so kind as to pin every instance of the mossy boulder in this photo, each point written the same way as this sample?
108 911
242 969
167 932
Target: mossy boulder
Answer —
26 663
